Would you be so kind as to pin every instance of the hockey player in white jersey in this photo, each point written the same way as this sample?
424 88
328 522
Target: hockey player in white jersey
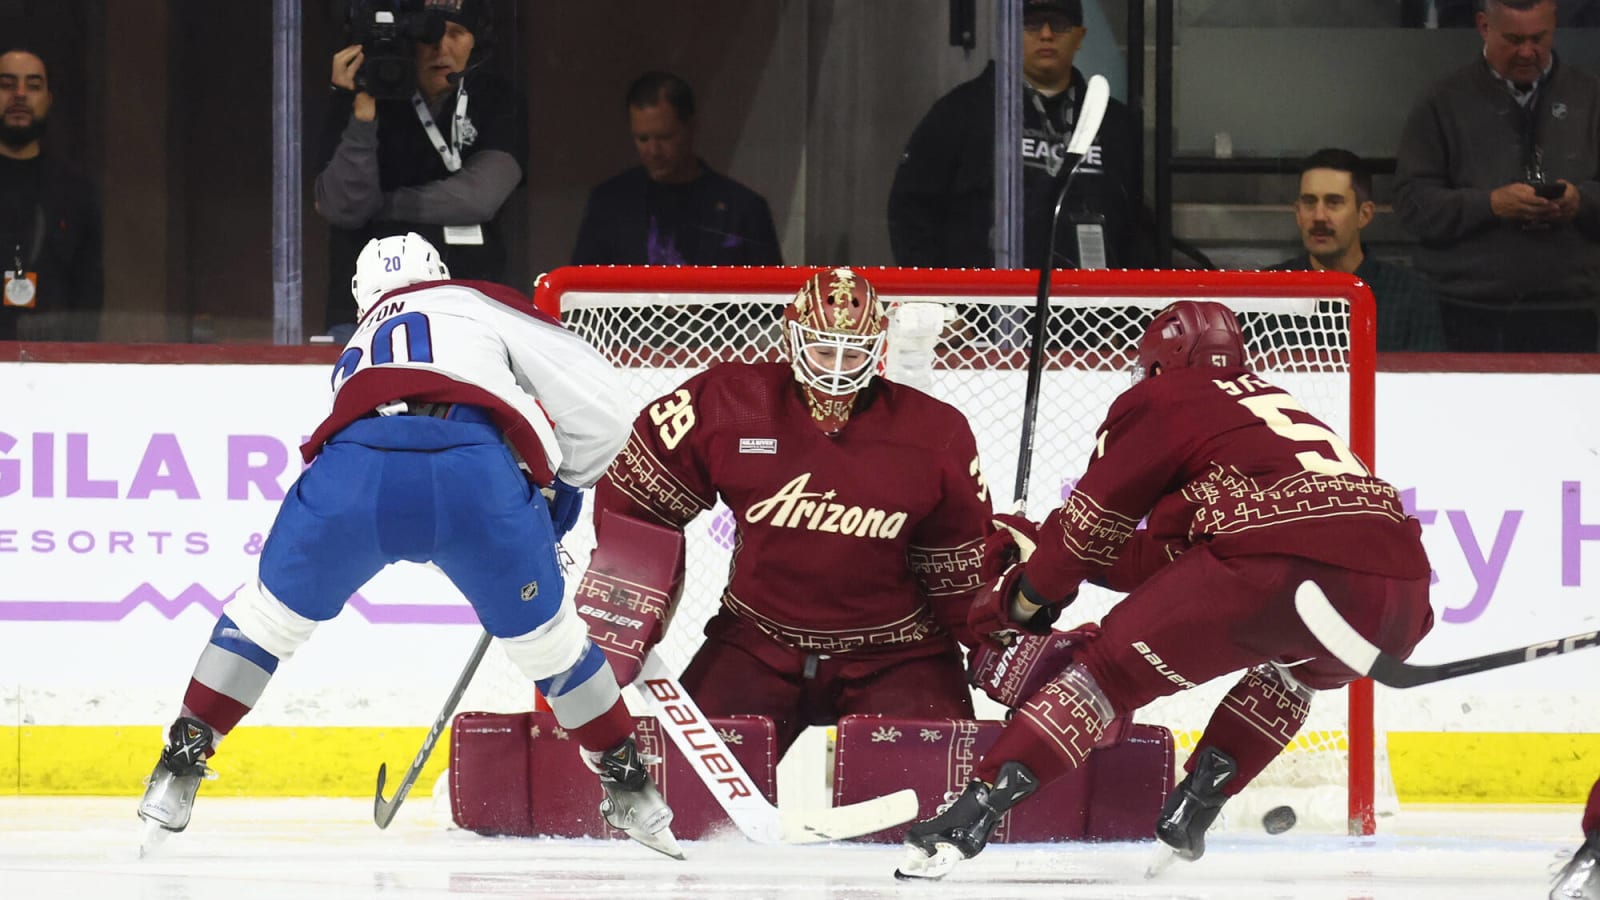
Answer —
454 403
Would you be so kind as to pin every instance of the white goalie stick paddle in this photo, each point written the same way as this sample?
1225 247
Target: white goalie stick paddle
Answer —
1355 651
1095 98
739 795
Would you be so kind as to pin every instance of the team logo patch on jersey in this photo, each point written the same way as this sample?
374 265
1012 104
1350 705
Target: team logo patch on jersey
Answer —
768 446
530 591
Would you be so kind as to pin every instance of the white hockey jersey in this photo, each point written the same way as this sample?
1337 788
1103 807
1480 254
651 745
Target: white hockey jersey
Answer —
560 405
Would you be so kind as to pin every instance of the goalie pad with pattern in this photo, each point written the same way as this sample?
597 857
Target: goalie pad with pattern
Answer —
632 585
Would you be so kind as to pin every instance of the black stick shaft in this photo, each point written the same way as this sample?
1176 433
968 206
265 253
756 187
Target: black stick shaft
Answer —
383 811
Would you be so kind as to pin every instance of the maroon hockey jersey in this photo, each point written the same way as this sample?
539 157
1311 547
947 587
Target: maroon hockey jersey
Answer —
1220 455
869 538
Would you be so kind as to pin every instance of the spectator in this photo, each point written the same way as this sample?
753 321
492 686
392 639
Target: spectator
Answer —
941 205
1569 13
49 219
393 169
672 209
1517 267
1334 205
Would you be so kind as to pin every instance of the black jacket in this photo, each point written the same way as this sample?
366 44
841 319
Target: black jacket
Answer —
710 221
50 216
941 205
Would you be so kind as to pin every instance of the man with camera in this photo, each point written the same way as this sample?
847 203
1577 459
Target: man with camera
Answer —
1498 175
423 139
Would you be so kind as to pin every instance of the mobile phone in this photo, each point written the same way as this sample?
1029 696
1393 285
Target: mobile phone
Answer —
1550 190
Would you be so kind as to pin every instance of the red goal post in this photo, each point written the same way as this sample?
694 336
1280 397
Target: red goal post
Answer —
1311 332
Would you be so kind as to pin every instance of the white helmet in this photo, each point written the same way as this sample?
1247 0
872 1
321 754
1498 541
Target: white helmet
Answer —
393 262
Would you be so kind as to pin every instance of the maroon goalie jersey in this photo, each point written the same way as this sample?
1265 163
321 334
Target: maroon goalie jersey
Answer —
1221 456
867 539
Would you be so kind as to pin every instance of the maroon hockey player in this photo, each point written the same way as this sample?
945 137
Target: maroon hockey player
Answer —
861 515
1247 496
1580 877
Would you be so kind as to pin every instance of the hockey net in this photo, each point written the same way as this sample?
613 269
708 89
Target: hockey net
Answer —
963 336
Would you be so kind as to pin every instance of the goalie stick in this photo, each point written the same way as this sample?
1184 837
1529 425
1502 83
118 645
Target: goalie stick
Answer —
1349 647
755 817
1095 99
383 811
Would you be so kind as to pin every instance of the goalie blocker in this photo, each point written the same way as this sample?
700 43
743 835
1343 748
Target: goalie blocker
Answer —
628 592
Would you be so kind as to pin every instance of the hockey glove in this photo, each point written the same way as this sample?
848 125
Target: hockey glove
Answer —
1005 551
565 502
1013 674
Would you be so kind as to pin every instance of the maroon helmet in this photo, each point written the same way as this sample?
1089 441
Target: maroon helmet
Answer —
1188 333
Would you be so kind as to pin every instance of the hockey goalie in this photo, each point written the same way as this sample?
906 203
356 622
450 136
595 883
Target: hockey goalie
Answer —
860 510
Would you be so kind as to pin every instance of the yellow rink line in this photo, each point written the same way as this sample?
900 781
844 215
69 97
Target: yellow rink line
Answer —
1428 767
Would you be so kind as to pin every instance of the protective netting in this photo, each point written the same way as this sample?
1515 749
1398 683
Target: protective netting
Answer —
975 357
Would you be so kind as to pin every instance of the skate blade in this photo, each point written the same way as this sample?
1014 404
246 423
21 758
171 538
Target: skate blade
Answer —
152 837
663 841
1160 861
918 865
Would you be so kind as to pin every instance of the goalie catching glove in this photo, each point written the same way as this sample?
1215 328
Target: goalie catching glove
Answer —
1011 605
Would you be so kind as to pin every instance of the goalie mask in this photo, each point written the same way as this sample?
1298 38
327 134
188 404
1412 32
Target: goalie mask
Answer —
837 331
393 262
1198 333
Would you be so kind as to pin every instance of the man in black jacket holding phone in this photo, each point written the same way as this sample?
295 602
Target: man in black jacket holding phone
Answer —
1498 175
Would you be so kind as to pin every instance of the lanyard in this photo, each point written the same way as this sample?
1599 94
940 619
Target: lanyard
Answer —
449 152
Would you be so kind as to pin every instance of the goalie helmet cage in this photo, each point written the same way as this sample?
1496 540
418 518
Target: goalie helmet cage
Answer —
1312 333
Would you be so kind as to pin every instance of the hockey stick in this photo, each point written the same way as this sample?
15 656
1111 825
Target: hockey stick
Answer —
1095 98
1355 651
383 810
733 788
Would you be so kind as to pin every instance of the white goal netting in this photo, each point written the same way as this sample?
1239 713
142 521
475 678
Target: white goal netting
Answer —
964 338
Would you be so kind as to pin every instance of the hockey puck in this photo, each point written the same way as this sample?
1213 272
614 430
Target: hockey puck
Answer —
1279 819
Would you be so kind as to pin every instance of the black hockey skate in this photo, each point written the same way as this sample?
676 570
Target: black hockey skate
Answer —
632 803
1580 878
1194 804
170 790
961 830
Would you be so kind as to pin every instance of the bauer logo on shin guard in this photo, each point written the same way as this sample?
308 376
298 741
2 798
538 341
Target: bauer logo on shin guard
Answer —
606 615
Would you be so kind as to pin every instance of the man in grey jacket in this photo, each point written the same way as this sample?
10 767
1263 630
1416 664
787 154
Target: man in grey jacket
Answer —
1498 175
441 162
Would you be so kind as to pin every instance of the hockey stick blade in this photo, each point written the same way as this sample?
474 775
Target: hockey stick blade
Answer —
383 811
756 818
1349 647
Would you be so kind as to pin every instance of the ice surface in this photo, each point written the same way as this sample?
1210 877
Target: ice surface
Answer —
238 849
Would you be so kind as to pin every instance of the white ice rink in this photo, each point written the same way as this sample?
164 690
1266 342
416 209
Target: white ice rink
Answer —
65 847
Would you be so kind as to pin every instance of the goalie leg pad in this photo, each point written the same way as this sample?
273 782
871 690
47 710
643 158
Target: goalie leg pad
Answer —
1055 729
627 594
1258 718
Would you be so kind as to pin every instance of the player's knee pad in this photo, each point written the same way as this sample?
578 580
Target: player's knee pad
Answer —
264 620
1271 700
551 648
584 692
1071 711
